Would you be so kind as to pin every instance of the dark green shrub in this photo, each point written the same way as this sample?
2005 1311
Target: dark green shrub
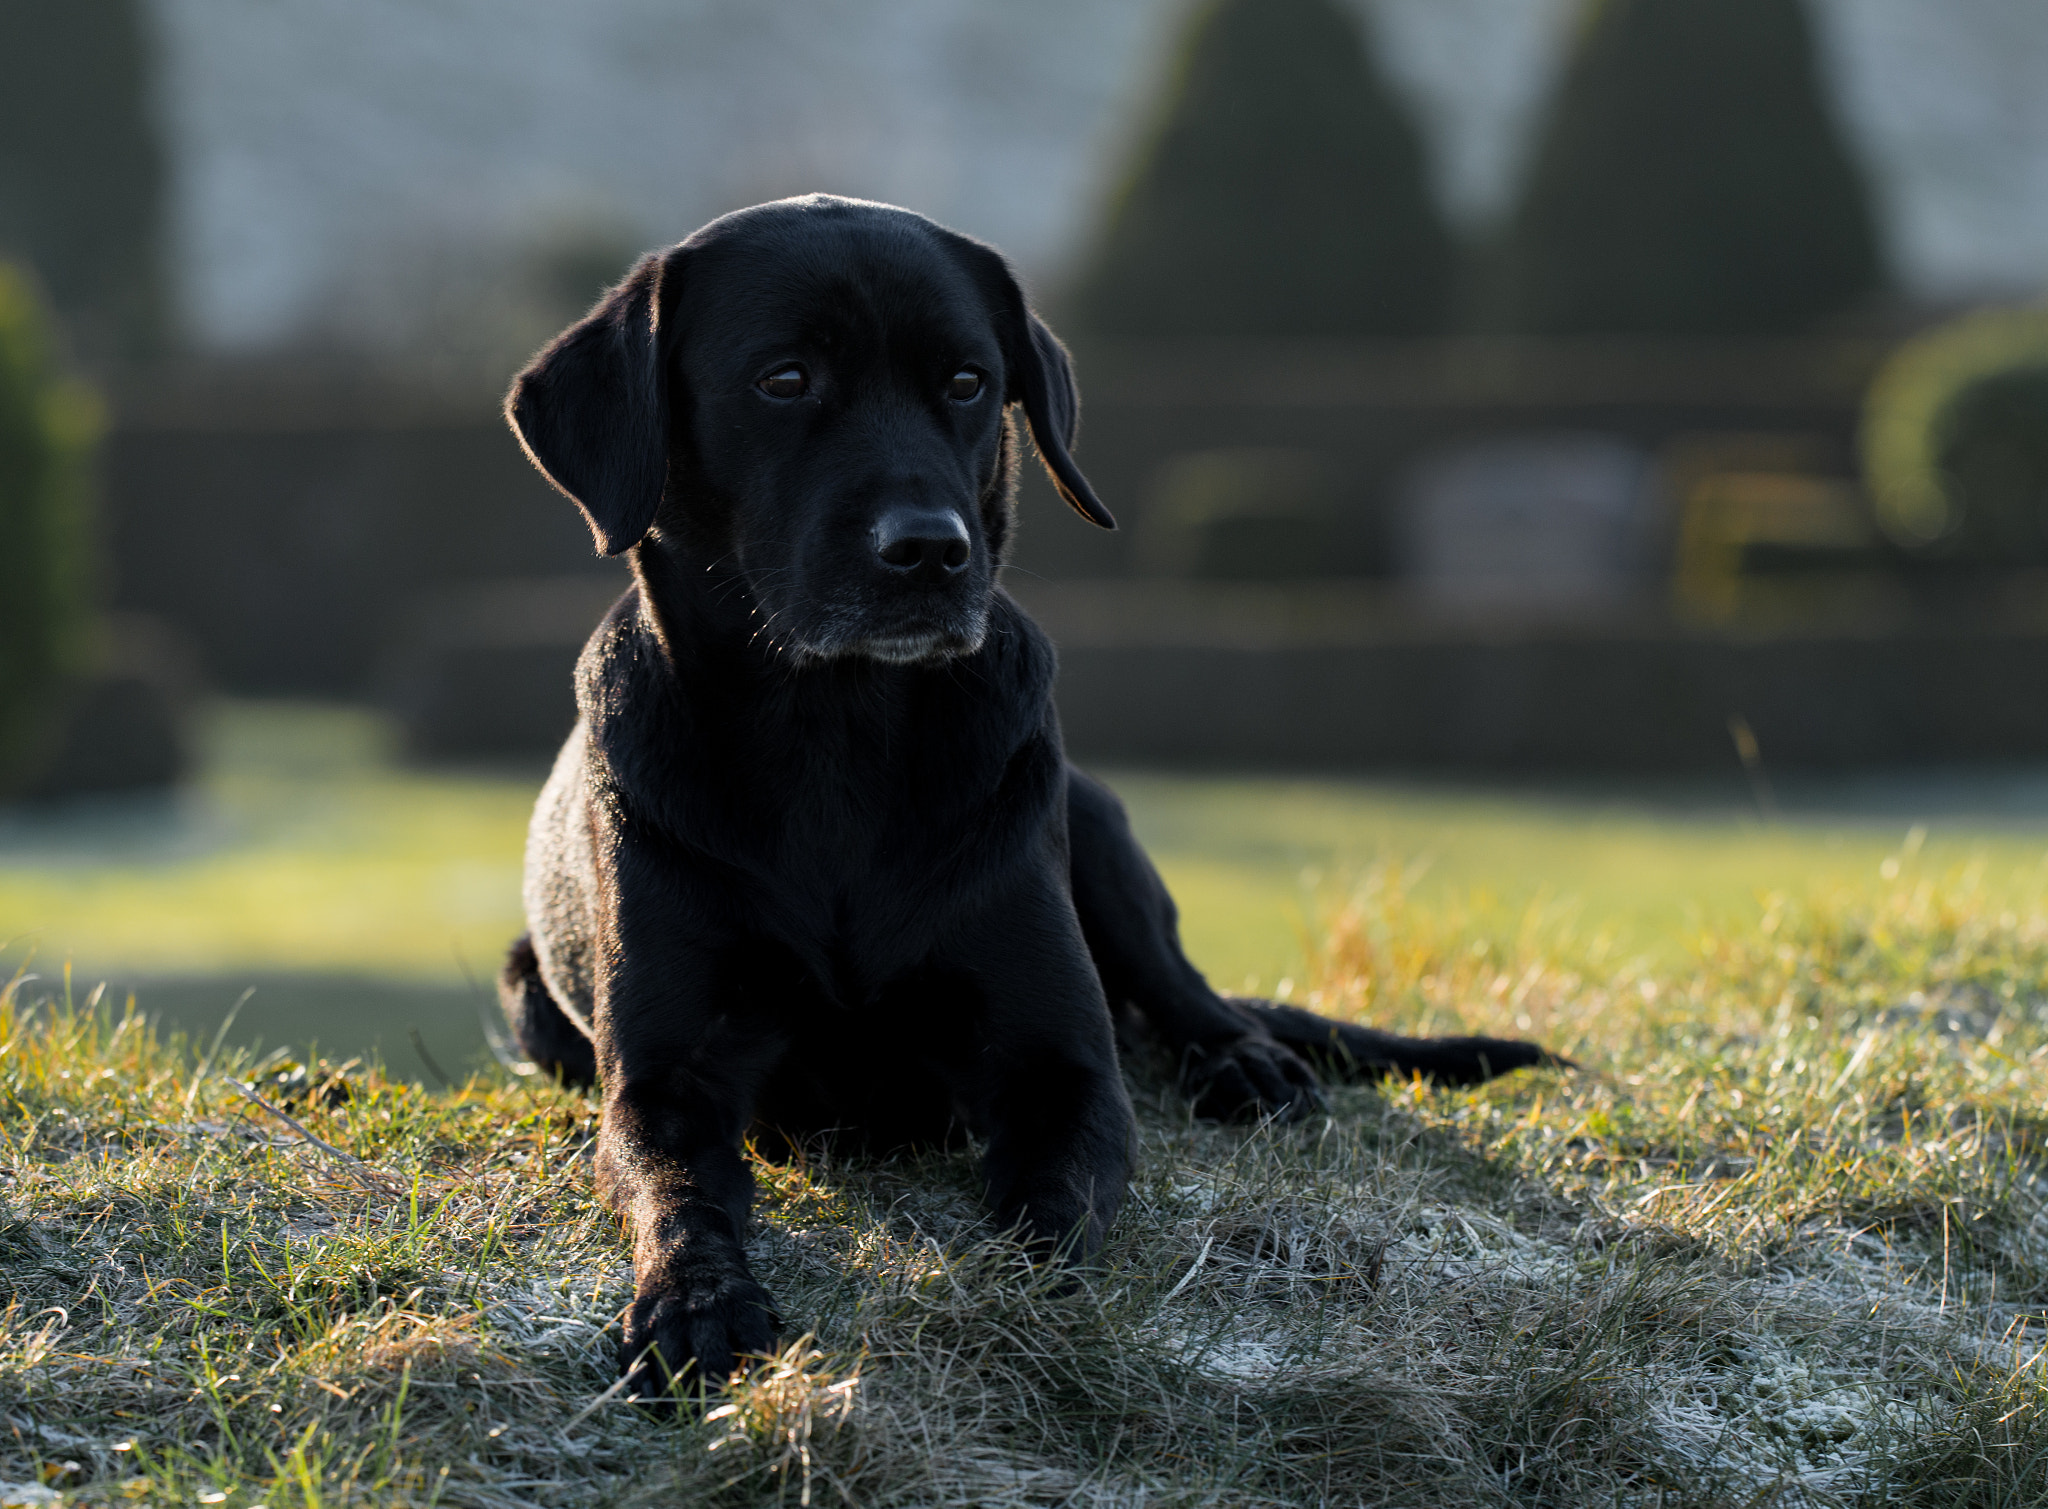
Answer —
1690 180
1955 440
47 429
81 168
1992 451
1281 193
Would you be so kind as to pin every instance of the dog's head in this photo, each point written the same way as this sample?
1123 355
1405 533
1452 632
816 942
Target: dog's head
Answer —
813 396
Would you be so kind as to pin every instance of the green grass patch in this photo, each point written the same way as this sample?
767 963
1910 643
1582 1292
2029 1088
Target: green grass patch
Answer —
1782 1240
304 847
1253 862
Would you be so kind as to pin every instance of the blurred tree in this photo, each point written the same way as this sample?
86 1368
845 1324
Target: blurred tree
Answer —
81 169
1282 192
48 426
1690 180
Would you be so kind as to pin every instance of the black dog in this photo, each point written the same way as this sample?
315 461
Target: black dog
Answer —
813 858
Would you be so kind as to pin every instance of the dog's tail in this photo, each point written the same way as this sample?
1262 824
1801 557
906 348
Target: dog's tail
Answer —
1348 1053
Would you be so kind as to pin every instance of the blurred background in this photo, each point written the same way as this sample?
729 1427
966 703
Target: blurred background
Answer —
1598 445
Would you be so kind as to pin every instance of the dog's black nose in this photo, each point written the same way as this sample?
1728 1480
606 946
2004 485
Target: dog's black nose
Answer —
924 544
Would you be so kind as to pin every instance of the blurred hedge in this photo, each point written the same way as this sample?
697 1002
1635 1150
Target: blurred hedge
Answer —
1690 180
48 426
1281 193
1955 440
82 171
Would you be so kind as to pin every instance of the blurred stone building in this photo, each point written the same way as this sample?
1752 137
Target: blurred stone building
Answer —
378 173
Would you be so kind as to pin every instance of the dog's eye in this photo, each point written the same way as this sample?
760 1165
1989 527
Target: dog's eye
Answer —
964 386
789 382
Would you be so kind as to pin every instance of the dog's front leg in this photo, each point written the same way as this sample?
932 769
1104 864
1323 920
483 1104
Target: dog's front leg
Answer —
1042 1082
680 1078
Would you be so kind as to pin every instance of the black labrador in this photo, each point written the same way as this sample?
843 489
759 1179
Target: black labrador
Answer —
813 859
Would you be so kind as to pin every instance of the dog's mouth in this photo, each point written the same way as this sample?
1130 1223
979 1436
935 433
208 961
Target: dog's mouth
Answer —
916 649
852 634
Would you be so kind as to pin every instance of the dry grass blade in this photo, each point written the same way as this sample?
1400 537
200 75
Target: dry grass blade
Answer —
377 1183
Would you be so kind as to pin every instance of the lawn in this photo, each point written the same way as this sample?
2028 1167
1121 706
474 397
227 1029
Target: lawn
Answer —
1780 1239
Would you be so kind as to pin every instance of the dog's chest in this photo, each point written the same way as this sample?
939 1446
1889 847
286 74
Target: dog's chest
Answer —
847 814
858 843
857 897
855 855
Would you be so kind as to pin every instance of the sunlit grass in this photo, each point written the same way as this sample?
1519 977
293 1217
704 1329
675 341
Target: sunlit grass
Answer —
303 847
1782 1239
1253 861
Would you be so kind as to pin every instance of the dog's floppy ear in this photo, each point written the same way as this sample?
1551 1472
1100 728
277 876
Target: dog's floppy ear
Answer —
1052 406
1041 379
592 408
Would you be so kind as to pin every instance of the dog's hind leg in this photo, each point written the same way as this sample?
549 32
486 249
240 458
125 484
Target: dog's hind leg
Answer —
1238 1056
544 1032
1230 1063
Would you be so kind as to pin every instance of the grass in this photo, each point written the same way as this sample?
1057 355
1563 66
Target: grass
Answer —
1632 870
303 848
1781 1241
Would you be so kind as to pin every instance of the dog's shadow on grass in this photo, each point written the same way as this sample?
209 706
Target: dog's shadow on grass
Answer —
1304 1308
1365 1305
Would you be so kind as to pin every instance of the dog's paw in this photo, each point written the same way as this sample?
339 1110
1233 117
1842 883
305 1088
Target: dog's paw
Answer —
689 1339
1250 1077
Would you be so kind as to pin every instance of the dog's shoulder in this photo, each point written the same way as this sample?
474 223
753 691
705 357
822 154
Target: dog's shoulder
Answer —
619 671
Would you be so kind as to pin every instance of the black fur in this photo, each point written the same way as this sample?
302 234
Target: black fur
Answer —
813 859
